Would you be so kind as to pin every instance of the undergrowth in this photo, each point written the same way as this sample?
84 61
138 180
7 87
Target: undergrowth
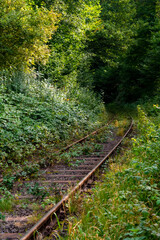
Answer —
127 204
35 114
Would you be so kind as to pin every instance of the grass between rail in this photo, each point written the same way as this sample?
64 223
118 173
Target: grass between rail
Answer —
126 205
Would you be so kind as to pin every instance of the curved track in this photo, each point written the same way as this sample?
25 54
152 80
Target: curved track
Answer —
61 178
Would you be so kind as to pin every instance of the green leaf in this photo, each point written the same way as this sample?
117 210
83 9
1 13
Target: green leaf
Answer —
158 202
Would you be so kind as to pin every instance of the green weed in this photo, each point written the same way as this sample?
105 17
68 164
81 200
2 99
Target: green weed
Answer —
8 181
36 190
5 204
2 217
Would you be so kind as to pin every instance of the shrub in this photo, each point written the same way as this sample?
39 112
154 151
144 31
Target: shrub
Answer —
36 113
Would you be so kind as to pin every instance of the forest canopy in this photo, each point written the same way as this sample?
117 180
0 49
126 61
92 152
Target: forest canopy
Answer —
111 47
24 33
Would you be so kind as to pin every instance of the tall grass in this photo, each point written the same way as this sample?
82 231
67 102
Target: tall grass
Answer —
127 204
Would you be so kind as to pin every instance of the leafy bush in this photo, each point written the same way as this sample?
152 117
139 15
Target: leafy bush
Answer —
24 33
38 114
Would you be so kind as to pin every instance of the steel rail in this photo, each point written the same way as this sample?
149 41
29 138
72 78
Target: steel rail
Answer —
51 214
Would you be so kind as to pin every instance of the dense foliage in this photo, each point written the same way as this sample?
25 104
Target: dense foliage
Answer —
110 46
69 57
125 64
128 201
36 114
24 32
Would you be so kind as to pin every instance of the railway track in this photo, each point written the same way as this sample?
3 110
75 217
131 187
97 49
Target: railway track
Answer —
56 184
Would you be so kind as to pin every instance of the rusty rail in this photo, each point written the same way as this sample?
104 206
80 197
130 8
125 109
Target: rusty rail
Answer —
50 216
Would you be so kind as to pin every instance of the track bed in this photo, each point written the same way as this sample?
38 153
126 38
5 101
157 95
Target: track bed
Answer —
41 195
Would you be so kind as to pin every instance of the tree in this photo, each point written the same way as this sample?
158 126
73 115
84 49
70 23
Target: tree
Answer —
126 59
110 43
138 70
68 44
24 32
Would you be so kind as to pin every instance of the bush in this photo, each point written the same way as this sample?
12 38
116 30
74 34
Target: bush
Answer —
36 113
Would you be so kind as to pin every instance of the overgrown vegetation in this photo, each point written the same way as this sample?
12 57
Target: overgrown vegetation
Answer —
36 114
126 205
91 145
54 56
126 50
24 33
